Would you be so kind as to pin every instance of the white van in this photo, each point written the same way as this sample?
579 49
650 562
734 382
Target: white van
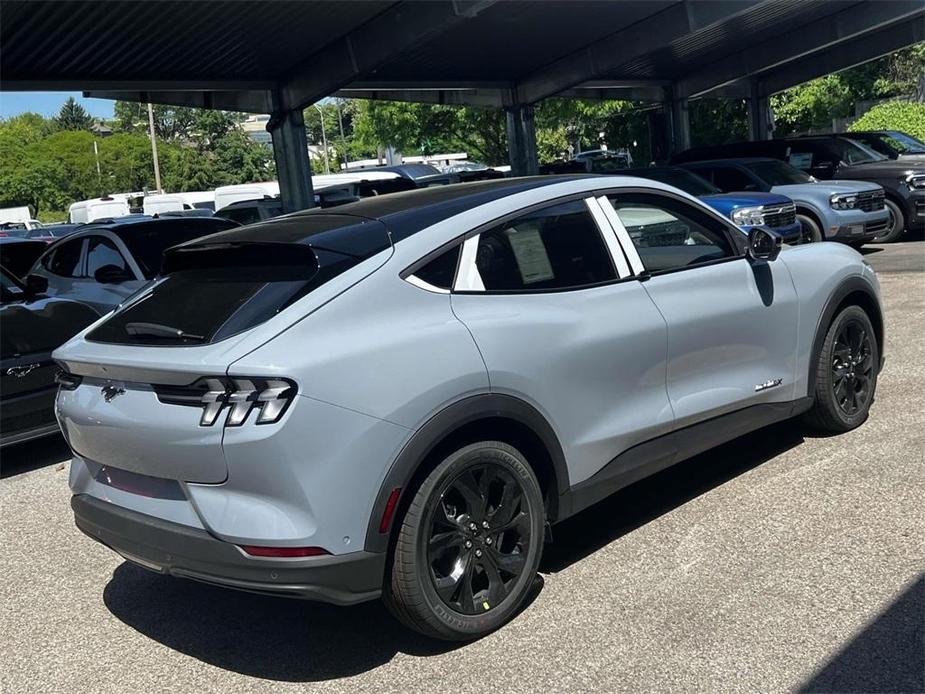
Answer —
225 195
176 202
86 211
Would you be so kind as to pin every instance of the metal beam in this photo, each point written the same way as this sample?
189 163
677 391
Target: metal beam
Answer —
248 102
680 118
649 94
759 114
448 97
379 40
133 85
641 38
777 51
843 56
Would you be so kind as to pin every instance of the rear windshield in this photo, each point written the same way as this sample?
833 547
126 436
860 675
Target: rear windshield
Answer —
778 173
235 281
148 241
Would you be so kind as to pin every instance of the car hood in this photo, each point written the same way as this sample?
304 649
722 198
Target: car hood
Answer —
893 168
727 202
798 190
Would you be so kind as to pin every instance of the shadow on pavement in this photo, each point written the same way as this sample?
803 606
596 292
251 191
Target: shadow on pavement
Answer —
888 656
32 455
648 499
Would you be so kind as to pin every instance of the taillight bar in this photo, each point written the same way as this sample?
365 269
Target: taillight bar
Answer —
240 395
256 551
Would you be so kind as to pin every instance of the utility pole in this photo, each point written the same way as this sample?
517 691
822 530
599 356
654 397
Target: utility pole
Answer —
99 173
324 140
343 141
157 165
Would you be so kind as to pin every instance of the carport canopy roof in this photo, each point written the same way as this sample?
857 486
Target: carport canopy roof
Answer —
278 56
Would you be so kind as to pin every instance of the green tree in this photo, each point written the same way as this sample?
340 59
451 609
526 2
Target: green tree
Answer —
894 115
73 116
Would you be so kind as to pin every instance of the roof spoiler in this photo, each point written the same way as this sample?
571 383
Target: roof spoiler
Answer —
279 262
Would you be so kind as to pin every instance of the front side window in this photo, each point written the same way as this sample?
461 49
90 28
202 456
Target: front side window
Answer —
557 247
102 252
670 234
64 261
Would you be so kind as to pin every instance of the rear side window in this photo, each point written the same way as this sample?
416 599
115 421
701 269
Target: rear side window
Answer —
64 261
440 271
557 247
729 179
102 252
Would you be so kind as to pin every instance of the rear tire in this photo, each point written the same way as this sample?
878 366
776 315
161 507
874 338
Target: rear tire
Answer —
812 232
895 227
846 373
469 545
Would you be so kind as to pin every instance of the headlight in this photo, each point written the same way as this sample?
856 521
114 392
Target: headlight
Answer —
844 202
916 181
748 216
269 396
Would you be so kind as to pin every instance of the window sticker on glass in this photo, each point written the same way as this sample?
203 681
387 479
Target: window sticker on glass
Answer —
530 252
801 160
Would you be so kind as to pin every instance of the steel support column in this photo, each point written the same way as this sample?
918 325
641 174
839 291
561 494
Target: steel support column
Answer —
759 113
521 140
679 116
293 168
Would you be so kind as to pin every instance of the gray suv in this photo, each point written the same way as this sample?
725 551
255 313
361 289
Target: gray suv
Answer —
396 397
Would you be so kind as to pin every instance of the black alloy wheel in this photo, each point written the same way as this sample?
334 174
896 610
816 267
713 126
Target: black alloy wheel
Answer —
852 367
845 374
469 544
480 535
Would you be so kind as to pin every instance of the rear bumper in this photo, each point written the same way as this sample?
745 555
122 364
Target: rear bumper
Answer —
182 551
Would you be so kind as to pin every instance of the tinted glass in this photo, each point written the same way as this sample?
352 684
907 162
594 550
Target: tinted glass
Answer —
558 247
64 260
242 215
148 241
690 183
777 173
728 179
441 271
670 234
102 252
909 143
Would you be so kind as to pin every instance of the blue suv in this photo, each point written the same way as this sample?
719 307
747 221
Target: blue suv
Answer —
745 209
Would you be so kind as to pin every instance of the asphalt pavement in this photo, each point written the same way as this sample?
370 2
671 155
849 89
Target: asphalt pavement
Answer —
781 561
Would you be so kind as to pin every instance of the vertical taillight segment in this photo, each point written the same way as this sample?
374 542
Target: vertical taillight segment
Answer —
239 395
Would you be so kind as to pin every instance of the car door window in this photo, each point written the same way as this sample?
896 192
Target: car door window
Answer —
64 261
557 247
102 252
670 234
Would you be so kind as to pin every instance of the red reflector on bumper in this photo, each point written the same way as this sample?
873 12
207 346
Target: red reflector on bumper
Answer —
389 510
284 551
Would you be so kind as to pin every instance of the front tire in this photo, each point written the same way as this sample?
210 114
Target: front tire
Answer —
812 232
895 227
846 373
469 545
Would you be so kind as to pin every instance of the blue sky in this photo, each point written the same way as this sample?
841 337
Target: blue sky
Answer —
49 103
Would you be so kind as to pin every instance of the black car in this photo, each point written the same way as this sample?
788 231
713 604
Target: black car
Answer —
31 326
837 157
892 144
18 255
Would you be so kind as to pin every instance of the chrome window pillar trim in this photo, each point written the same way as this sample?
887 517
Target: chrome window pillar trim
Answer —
606 230
468 278
622 235
427 286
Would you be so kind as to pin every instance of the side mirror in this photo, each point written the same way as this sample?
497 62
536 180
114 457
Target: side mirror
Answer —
36 284
763 244
111 274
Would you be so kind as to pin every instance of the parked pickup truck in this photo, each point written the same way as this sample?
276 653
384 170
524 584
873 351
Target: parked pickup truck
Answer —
745 209
852 212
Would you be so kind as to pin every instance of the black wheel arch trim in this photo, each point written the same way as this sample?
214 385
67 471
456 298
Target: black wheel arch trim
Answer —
847 287
443 424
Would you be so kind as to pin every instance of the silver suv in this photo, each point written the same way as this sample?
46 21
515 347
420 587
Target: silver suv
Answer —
396 397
